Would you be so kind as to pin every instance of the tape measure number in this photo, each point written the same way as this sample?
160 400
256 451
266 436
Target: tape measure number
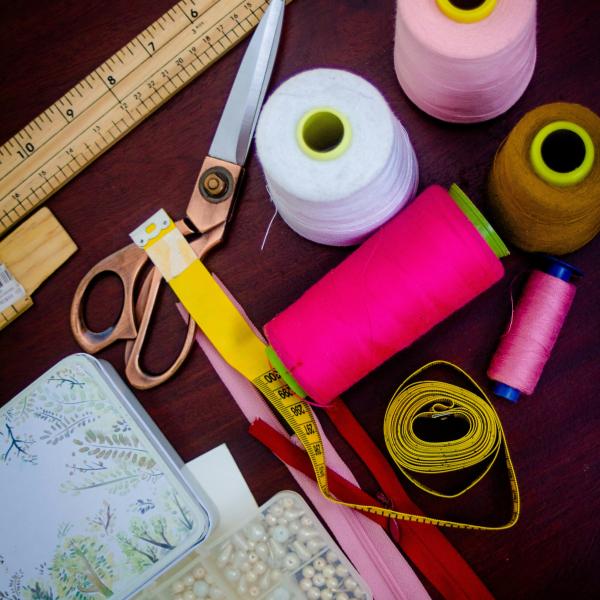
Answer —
116 97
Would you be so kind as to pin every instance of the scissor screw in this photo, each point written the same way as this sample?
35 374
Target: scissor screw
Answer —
215 184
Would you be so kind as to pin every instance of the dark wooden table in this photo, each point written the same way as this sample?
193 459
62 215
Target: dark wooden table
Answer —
47 47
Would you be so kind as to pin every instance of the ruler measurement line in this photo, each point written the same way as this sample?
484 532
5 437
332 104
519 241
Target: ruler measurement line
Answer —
199 28
110 90
66 177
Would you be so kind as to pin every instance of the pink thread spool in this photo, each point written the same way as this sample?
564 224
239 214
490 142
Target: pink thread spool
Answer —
525 348
465 61
419 268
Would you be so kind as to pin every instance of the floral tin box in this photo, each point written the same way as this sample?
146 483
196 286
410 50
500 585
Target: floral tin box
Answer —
93 502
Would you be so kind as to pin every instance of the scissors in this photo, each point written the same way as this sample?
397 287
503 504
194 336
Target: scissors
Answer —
207 214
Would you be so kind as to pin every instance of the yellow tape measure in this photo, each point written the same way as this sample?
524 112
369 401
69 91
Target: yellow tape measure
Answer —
239 345
116 97
425 400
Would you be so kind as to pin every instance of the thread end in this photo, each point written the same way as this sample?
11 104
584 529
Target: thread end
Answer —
506 391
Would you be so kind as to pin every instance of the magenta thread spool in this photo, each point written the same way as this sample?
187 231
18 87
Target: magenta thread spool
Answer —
431 259
525 348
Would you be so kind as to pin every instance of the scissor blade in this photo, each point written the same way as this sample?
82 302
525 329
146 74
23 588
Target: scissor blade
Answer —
236 127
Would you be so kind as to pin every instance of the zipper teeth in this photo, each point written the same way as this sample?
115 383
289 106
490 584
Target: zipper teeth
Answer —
374 555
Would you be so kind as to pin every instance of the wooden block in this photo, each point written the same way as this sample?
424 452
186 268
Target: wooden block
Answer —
32 253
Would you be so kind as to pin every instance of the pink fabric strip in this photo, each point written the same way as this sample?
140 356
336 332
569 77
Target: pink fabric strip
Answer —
366 544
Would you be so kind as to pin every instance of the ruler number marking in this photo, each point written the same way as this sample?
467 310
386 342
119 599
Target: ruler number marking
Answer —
26 150
200 58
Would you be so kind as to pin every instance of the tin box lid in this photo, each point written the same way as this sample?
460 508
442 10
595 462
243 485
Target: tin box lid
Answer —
94 502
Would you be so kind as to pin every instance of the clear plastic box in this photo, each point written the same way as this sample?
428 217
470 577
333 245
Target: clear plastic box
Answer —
283 553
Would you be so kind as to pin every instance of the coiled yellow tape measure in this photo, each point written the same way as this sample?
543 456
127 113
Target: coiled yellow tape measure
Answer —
424 400
237 343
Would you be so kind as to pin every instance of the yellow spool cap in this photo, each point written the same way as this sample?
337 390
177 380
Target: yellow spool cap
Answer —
324 133
467 11
562 153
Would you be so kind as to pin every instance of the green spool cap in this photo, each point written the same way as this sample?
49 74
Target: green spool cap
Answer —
479 221
285 374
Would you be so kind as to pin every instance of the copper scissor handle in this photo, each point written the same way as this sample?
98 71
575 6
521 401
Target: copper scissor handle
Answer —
208 214
126 264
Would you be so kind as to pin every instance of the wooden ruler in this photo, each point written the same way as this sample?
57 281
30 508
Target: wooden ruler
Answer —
116 97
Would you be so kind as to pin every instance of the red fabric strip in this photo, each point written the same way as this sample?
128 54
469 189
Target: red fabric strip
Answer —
295 457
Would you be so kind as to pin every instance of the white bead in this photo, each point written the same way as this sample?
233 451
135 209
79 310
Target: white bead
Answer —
306 522
254 592
341 571
178 597
199 572
271 520
277 550
314 544
259 568
342 596
239 558
189 595
188 581
319 580
350 584
256 532
282 521
291 561
301 551
308 571
251 577
292 515
265 582
288 502
329 571
275 575
332 556
216 593
242 587
305 584
313 594
306 534
262 550
253 558
201 589
326 595
178 587
277 510
280 534
294 527
280 594
231 574
319 564
332 583
245 567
